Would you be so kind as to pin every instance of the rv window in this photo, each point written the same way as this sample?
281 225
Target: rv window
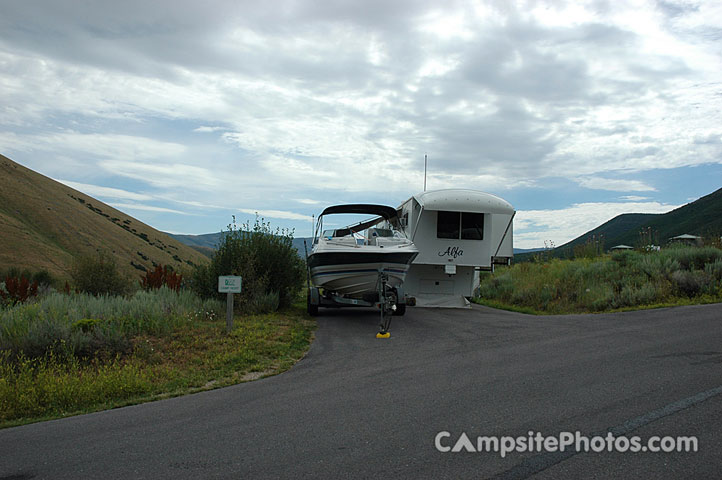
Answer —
447 225
472 226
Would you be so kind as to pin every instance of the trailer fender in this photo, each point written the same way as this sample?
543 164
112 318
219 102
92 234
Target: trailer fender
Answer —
400 296
314 296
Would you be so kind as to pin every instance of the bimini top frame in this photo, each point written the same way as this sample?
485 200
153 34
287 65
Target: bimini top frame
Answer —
383 212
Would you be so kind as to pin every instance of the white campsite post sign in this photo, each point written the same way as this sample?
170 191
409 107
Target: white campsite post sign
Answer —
229 285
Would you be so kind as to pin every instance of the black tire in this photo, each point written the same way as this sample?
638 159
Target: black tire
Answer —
312 309
400 310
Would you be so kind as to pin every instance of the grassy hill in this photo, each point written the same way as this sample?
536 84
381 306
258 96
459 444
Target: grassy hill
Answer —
45 225
613 229
702 217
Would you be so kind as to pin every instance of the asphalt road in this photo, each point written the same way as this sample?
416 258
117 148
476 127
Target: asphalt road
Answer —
361 407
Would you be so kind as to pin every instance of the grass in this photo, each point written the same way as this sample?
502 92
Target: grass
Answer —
191 353
617 282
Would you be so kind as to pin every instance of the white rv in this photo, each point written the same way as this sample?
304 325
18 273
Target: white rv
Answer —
458 233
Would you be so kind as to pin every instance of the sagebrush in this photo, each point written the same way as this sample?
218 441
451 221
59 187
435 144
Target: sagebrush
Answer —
83 325
607 282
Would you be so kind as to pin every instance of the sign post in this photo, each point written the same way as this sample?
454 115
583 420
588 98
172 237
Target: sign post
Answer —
229 285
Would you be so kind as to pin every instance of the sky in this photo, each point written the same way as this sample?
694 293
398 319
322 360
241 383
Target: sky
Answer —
185 113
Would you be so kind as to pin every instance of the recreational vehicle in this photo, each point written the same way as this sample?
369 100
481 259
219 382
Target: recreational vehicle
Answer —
458 233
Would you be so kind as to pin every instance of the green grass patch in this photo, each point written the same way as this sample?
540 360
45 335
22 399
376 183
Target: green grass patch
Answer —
618 282
184 350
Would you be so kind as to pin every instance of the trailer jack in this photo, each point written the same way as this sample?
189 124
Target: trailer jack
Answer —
387 304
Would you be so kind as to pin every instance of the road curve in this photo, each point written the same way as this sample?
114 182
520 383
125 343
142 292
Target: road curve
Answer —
361 407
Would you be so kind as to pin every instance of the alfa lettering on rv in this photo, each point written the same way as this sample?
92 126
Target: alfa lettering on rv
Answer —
451 252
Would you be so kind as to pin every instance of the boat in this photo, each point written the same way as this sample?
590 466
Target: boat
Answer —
362 264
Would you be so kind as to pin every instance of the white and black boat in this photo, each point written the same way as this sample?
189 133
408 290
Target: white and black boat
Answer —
362 264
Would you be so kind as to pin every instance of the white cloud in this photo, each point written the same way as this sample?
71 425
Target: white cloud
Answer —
105 192
276 214
616 185
533 227
165 175
97 145
149 208
633 198
206 129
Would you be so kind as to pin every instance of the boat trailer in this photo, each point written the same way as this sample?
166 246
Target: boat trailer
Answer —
391 301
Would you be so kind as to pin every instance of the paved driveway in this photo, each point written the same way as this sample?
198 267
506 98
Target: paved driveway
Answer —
361 407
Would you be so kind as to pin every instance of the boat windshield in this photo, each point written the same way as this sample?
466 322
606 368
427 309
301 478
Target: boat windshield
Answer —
356 228
329 234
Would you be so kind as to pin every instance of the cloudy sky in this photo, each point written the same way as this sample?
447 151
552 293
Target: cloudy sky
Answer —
183 113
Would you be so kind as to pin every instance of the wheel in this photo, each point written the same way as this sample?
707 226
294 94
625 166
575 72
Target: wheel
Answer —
400 310
312 309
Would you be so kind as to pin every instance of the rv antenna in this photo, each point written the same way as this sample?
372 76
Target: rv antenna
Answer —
424 172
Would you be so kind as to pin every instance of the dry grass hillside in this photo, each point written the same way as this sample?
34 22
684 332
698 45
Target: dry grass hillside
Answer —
45 224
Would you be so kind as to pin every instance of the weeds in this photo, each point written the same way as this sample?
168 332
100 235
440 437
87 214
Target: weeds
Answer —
193 353
621 280
56 384
89 324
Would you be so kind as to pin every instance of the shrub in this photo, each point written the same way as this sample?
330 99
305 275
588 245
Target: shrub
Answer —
599 298
43 278
162 275
688 283
98 275
694 258
714 270
623 257
264 303
631 295
18 290
266 259
86 324
657 266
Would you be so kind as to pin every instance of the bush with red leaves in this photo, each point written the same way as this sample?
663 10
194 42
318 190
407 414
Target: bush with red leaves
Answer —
162 275
18 290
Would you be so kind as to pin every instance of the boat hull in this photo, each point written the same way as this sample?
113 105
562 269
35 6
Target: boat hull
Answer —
356 274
